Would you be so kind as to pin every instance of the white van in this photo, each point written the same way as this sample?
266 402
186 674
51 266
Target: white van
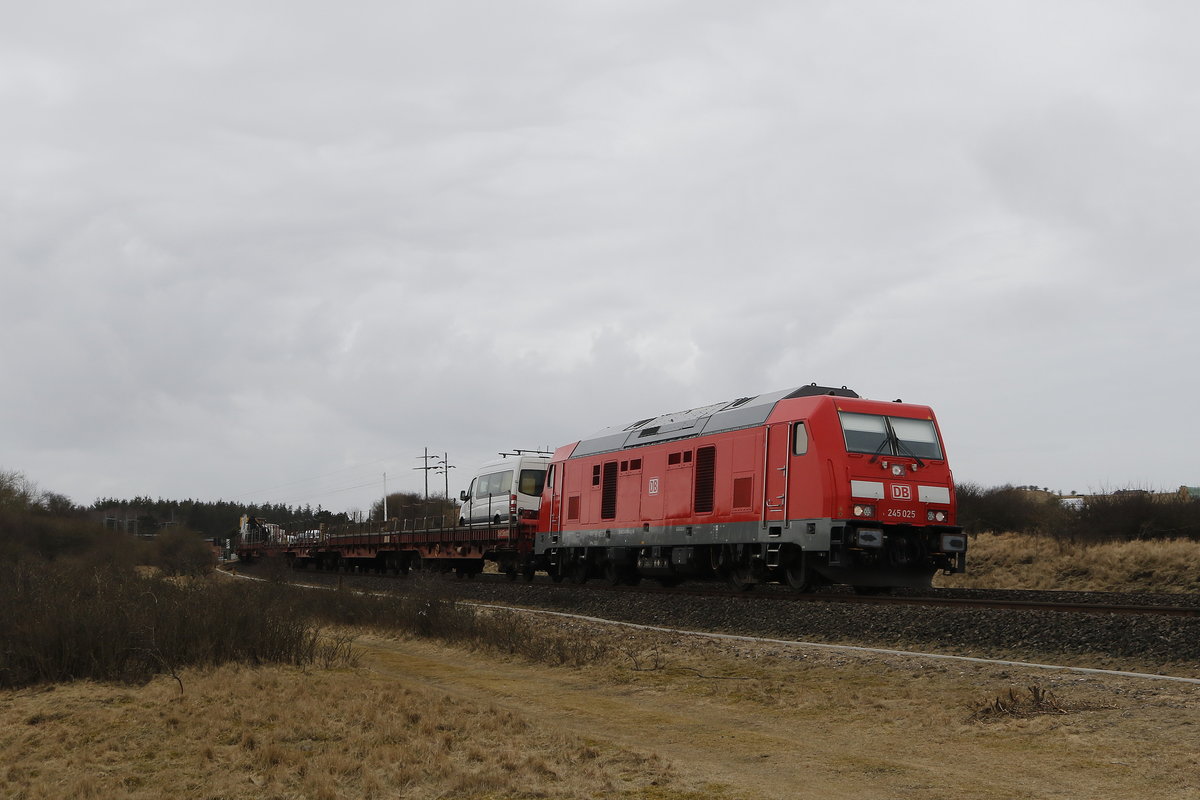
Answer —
505 490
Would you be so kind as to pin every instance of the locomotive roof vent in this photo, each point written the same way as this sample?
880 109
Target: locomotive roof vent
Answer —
813 389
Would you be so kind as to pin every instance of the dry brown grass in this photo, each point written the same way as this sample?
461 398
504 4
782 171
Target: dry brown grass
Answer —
277 732
1023 561
667 717
670 717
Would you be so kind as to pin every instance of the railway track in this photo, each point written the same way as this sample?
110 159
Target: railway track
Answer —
950 600
1035 605
992 599
1125 631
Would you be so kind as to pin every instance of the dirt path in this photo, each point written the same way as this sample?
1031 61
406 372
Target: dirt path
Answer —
898 731
717 745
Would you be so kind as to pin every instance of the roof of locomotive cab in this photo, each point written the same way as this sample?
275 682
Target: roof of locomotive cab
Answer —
729 415
892 408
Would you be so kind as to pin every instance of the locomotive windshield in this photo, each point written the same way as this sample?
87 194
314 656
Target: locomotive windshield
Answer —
893 436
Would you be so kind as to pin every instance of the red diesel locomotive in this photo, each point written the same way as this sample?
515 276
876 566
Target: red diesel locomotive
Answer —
807 486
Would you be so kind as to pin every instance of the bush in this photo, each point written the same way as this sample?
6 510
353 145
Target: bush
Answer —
181 552
72 619
1006 508
1121 516
1135 516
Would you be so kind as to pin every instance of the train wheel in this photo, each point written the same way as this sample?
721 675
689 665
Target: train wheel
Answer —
526 568
612 574
736 569
798 575
579 572
740 578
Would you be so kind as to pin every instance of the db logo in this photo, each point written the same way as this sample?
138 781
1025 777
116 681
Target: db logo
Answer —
653 488
901 491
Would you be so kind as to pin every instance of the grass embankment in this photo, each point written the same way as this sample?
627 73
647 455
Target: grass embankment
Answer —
1023 561
284 732
662 717
441 701
84 715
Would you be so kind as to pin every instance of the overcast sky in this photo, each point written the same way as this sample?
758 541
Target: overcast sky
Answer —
270 251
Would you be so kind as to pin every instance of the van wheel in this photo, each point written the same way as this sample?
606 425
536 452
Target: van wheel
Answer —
496 520
462 522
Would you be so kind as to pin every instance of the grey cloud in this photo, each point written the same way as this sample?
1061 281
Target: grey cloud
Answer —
330 240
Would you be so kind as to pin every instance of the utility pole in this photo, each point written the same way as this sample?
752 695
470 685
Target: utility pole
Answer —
385 516
426 468
444 466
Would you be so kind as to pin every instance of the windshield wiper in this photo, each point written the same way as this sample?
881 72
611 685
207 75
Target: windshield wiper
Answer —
903 448
887 440
900 447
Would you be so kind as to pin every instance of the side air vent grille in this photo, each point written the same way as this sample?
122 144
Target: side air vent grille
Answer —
706 459
608 494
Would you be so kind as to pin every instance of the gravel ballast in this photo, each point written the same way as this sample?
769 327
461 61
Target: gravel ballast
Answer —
1138 642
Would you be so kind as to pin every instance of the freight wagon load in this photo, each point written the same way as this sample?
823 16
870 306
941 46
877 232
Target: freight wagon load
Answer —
505 490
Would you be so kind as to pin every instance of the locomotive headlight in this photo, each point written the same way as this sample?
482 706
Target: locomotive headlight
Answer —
935 516
868 537
954 543
864 510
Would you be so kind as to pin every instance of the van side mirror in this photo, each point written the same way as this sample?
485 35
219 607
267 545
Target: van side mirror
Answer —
462 496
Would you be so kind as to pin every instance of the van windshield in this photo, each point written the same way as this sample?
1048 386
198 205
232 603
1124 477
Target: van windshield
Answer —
532 481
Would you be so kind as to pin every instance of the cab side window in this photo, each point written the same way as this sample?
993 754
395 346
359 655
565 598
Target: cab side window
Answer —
799 439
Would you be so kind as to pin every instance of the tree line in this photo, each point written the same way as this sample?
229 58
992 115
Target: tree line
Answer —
1124 515
212 519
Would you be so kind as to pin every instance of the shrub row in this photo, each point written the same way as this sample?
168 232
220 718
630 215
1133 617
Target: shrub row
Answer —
68 620
75 604
429 612
1122 516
